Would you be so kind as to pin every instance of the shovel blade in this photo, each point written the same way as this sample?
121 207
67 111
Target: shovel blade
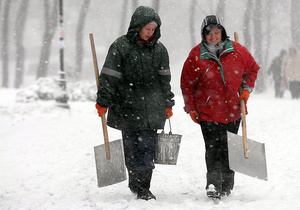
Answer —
255 165
110 171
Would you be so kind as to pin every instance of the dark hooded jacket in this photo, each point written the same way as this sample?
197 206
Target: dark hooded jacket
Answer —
135 78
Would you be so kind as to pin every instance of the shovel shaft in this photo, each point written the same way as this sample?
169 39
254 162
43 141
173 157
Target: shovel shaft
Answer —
243 111
236 37
104 126
244 130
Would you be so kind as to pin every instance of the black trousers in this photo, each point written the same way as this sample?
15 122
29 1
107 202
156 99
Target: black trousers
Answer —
139 149
295 89
216 153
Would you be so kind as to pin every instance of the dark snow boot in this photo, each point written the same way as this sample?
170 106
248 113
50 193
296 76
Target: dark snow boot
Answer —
144 185
212 193
146 195
133 182
227 183
214 183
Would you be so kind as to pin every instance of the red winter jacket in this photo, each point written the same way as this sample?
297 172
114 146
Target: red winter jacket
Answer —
211 86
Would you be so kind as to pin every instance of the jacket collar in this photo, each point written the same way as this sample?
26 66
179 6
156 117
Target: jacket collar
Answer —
205 54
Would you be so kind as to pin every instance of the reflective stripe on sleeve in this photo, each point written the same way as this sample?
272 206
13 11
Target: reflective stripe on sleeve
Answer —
111 72
164 72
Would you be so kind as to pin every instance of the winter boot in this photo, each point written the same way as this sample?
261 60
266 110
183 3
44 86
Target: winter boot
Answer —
212 193
227 182
214 184
133 182
144 186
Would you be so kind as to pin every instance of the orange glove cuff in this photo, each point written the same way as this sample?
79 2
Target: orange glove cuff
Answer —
245 95
100 110
194 115
169 113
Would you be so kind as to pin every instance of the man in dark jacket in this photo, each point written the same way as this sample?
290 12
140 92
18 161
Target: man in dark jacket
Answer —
135 88
275 70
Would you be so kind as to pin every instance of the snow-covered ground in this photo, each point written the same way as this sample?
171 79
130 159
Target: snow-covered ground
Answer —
47 159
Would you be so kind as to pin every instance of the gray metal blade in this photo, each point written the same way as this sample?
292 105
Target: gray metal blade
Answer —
110 171
255 165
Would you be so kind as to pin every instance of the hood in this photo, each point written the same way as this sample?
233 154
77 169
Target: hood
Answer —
212 19
141 17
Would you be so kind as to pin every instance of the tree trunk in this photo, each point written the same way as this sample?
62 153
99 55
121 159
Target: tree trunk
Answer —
295 17
192 22
268 15
51 20
156 5
123 18
20 52
134 4
257 17
5 44
246 29
79 38
221 10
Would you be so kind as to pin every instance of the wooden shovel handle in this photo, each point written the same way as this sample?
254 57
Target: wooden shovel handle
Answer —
104 126
243 111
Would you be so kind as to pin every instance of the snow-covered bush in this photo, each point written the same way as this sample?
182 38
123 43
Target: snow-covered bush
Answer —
26 96
43 89
47 88
82 91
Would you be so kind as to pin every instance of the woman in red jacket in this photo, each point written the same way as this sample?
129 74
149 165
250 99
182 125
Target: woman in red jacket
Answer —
211 79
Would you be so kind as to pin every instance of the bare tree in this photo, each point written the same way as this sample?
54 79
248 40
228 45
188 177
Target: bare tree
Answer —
79 38
221 9
51 22
192 22
268 15
295 18
5 43
20 51
123 17
134 4
156 5
257 20
246 29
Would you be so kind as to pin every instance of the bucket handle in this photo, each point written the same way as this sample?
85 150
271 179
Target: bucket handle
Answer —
170 132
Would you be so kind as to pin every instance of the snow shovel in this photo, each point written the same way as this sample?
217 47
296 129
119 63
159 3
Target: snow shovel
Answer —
246 156
110 164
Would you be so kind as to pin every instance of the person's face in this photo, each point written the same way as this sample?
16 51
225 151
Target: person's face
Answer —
214 36
147 31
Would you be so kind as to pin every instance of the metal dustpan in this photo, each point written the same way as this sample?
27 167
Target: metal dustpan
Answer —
110 162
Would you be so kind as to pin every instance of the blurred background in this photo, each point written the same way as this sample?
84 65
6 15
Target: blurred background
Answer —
31 32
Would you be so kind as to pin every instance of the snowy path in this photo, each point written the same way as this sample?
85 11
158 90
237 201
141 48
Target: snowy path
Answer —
47 160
